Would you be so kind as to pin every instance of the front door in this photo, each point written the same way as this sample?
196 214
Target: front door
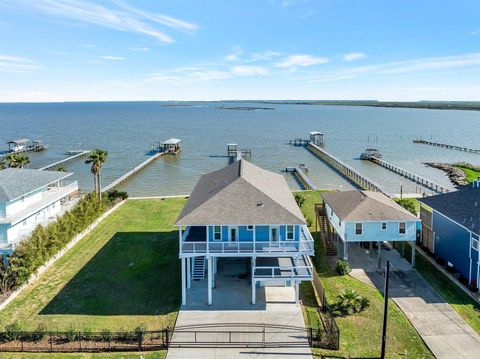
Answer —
274 234
233 234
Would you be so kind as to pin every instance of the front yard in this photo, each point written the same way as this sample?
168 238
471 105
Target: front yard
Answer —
360 334
124 273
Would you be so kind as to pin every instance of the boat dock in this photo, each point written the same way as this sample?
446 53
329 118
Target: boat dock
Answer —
71 158
346 170
24 145
411 176
234 152
300 174
445 145
134 171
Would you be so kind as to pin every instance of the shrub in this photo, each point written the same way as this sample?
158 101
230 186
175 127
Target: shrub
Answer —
408 204
106 335
342 267
309 222
40 332
113 194
350 302
87 334
12 331
47 240
300 199
124 334
140 330
70 334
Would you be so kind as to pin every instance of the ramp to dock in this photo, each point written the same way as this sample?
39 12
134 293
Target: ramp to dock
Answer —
448 146
345 170
133 171
411 176
302 177
65 160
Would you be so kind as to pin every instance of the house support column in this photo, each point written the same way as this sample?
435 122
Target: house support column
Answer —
209 265
189 273
413 254
379 255
297 292
184 289
254 294
345 250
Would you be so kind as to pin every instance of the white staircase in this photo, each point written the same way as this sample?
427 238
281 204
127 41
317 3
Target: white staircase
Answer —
199 268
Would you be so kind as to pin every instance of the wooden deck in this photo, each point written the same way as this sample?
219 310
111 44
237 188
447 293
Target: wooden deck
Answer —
66 160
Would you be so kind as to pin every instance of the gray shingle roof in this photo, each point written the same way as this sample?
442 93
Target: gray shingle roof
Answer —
461 206
15 182
241 193
366 206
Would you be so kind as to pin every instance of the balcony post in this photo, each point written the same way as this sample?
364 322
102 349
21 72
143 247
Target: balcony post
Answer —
180 238
254 238
297 292
209 265
413 254
184 290
189 279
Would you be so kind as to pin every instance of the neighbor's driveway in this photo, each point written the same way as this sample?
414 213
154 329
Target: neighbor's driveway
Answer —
446 334
279 308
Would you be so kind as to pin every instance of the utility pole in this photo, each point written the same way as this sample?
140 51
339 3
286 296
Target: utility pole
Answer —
385 310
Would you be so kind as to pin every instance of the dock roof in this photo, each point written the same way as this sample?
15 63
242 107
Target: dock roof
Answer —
19 141
241 194
366 206
461 206
16 182
172 141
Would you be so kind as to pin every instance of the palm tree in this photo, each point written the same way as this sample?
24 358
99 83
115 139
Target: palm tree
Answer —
16 160
2 164
97 158
61 169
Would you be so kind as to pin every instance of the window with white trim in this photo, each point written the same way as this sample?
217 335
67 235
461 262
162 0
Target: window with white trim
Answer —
402 228
358 229
475 244
249 228
384 226
217 233
290 232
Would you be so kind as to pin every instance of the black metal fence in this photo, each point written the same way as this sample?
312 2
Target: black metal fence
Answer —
70 341
327 335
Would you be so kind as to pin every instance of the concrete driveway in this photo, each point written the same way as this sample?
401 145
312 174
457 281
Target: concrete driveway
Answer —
232 311
446 334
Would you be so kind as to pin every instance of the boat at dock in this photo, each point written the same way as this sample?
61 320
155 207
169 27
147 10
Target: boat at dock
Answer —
370 153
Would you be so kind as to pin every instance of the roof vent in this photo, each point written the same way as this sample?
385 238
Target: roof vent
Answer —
260 204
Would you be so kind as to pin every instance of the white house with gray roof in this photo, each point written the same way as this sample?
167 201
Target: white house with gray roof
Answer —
244 211
28 198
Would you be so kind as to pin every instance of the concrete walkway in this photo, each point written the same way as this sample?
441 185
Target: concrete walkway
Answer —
446 334
230 310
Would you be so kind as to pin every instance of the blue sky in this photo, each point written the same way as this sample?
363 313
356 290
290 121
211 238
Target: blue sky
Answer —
75 50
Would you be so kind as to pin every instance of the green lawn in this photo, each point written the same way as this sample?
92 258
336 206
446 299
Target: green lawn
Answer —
468 309
360 333
124 273
470 174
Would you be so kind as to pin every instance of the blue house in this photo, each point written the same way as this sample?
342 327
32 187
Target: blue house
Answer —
368 217
451 229
244 211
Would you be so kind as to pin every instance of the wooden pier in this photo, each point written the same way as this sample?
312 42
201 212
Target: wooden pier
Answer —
411 176
346 170
133 171
445 145
298 142
66 160
300 173
234 152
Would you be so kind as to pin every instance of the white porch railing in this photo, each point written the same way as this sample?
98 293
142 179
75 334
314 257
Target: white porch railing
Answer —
276 247
304 271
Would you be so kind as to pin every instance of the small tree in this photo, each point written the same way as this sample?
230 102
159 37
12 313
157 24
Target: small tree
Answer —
61 169
300 199
17 160
97 158
408 204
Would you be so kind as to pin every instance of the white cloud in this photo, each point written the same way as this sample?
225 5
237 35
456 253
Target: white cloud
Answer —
354 56
264 56
235 55
245 70
301 60
287 3
141 49
403 67
128 19
16 64
112 58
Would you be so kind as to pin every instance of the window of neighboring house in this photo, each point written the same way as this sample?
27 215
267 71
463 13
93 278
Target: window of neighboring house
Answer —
217 233
290 233
24 223
402 228
475 244
358 229
250 228
384 225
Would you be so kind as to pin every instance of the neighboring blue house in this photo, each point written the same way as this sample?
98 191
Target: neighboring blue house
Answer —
365 216
244 211
451 230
